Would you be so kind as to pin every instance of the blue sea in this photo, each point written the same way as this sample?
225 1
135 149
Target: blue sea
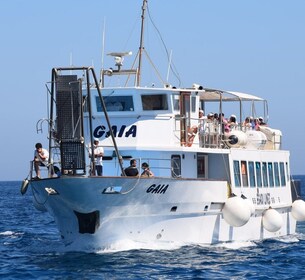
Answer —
31 248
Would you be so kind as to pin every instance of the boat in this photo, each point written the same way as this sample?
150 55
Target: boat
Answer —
212 181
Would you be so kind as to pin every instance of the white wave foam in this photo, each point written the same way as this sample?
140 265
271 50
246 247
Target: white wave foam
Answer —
236 245
288 239
7 233
127 245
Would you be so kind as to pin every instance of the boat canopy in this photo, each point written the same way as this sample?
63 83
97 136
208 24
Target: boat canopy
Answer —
222 95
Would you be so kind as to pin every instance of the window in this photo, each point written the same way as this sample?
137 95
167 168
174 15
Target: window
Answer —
282 172
287 171
193 104
244 173
276 174
251 173
236 173
154 102
176 166
265 177
176 102
258 173
115 103
201 166
270 173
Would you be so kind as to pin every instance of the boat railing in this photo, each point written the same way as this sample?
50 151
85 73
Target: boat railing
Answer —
46 171
161 167
205 133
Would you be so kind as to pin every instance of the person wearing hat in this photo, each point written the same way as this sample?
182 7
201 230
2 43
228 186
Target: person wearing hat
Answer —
146 171
201 127
98 152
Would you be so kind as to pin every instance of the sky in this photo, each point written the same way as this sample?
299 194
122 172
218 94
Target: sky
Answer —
253 46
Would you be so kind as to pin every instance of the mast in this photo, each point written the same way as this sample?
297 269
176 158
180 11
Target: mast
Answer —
141 43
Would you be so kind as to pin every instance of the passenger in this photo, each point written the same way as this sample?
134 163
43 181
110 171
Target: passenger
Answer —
98 152
256 124
232 122
201 127
192 131
261 121
209 130
224 123
216 129
247 124
146 171
41 157
132 170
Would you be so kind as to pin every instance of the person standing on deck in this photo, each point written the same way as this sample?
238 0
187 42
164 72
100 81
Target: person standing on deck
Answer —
98 156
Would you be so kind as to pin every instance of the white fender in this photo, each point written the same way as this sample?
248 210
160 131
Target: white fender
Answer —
24 186
272 220
236 211
298 210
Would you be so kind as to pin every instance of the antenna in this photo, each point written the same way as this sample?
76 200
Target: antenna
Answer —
103 43
169 66
71 61
141 48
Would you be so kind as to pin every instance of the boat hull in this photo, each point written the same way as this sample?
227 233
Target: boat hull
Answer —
93 212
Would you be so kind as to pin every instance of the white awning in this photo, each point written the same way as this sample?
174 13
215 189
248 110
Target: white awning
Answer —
217 95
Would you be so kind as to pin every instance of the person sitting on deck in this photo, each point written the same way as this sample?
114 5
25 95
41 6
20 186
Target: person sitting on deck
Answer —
146 171
41 157
132 170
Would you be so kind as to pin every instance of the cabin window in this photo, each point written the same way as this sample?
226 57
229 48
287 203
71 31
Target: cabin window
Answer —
236 173
244 173
258 173
287 171
193 104
115 103
202 166
282 172
176 166
276 174
265 177
270 173
176 102
154 102
251 173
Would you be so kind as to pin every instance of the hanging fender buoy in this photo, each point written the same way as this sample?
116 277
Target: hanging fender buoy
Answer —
236 211
24 186
272 220
298 210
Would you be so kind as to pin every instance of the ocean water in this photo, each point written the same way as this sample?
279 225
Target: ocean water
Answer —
30 248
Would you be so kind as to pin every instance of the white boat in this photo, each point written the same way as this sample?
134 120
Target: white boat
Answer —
209 185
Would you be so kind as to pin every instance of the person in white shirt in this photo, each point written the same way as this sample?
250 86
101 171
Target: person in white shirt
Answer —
202 127
98 156
41 157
